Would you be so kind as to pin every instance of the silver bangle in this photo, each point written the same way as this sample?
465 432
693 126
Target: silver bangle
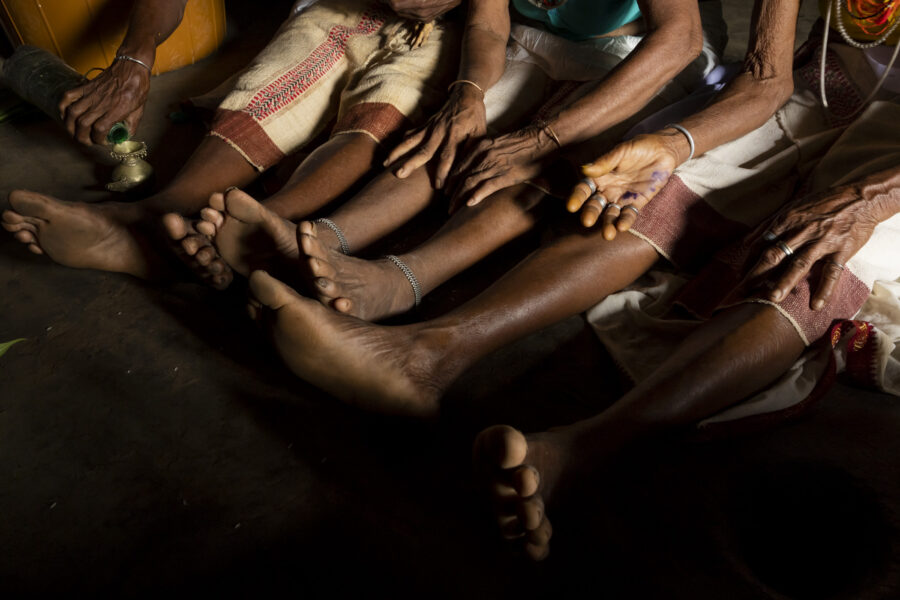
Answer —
134 60
345 247
410 276
687 134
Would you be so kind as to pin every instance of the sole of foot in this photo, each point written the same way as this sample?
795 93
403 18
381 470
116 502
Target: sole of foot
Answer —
196 251
248 235
366 365
504 458
82 236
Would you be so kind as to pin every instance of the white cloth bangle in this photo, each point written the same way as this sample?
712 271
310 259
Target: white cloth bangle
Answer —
687 134
132 59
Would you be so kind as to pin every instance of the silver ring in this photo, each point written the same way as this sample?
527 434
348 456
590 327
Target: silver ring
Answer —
590 183
768 236
614 205
599 198
837 264
784 248
636 210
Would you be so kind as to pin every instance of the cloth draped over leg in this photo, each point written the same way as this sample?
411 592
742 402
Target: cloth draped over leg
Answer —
712 202
348 60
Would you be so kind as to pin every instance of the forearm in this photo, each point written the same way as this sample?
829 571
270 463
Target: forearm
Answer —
483 55
760 89
674 40
150 24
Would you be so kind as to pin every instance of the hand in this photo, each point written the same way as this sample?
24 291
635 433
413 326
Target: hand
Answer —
422 10
501 162
826 228
460 119
117 94
631 174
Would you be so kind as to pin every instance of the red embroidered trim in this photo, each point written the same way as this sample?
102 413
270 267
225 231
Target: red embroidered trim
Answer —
861 344
292 84
379 119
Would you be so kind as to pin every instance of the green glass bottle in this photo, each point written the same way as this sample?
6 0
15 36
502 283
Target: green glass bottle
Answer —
118 133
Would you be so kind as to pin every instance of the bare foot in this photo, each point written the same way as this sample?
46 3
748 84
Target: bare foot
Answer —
369 290
384 369
83 236
521 472
196 251
247 235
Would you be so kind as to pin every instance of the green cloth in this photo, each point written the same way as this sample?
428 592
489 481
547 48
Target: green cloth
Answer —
580 19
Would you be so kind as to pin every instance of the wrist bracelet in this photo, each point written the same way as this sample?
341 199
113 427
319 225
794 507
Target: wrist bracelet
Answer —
468 81
687 134
545 127
132 59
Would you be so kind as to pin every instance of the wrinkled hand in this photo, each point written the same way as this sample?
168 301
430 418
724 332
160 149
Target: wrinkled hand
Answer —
497 163
460 119
824 229
117 94
631 174
421 10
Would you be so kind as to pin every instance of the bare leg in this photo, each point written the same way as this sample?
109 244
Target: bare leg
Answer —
407 368
249 233
738 352
375 289
109 236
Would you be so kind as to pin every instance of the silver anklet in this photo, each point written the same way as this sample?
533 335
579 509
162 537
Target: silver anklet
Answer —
410 276
345 247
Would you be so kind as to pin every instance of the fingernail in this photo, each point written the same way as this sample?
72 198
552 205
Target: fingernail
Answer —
439 183
818 304
775 295
401 172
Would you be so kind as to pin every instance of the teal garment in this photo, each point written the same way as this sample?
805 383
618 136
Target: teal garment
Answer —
580 19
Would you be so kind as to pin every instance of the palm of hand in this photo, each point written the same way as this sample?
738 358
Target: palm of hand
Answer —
629 175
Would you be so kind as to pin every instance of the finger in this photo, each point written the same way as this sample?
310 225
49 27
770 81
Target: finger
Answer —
448 155
593 208
798 267
832 270
608 219
101 127
134 119
604 164
468 184
473 161
770 258
69 98
74 112
84 127
627 217
411 141
580 194
488 187
419 158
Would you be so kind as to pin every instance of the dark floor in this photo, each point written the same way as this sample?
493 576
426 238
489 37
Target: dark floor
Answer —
151 442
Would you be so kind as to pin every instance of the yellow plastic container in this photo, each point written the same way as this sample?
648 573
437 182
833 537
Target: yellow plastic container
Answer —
87 33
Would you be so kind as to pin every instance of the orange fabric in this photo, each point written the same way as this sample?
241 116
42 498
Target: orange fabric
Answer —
87 33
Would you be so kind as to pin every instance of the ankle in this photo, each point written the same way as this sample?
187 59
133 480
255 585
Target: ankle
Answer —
437 349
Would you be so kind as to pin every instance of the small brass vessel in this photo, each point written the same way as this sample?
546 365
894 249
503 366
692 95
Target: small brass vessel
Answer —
134 170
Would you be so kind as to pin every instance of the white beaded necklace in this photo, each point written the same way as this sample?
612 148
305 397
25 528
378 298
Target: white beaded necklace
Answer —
862 46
